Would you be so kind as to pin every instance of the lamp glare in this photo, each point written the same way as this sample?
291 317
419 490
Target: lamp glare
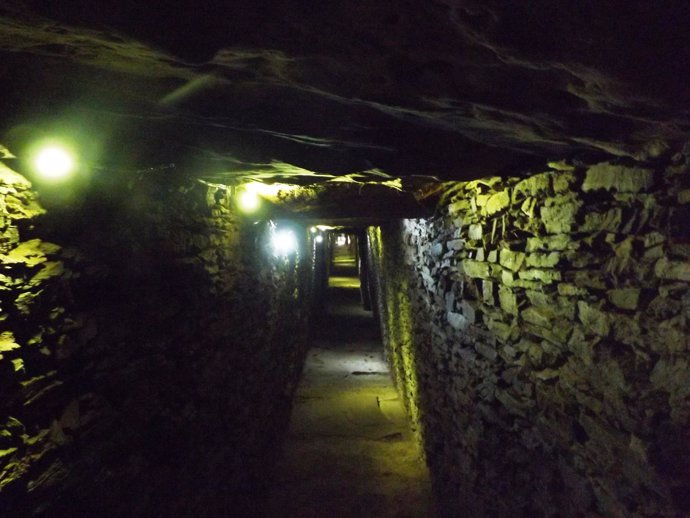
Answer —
284 243
54 163
249 201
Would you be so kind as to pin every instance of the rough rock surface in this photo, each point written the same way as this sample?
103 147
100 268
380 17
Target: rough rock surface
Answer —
429 87
546 357
148 364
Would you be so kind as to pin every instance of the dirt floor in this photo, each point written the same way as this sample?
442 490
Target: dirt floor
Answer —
349 450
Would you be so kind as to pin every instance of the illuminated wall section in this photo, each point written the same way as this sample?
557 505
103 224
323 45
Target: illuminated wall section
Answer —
548 318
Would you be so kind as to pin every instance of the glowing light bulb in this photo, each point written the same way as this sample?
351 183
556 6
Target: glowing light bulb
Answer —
284 243
249 201
319 238
54 163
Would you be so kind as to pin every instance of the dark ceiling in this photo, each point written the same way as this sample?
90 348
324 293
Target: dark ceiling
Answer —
451 88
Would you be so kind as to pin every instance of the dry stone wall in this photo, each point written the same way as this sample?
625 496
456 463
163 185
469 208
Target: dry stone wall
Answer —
538 330
181 342
34 407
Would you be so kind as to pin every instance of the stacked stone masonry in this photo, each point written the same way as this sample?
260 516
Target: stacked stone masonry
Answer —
148 362
538 331
35 413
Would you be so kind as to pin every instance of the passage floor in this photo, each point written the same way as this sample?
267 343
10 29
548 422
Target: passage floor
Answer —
349 450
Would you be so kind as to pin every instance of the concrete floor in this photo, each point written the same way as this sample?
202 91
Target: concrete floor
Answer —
349 450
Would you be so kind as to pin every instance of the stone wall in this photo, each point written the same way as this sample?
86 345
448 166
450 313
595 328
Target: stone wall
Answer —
34 407
165 384
538 330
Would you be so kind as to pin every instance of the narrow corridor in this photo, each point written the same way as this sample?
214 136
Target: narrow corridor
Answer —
349 450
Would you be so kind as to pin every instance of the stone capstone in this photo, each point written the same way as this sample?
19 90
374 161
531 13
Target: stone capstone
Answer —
618 178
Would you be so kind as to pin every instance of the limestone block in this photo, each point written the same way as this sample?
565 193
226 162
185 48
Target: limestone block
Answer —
626 330
10 178
9 238
542 260
675 270
671 374
488 292
652 239
22 207
582 259
508 300
684 197
436 249
508 353
560 218
557 242
619 178
663 307
7 342
501 330
587 279
475 232
545 276
609 221
594 319
457 320
469 310
558 332
528 207
449 297
568 290
531 186
492 257
455 244
475 269
528 285
539 316
497 202
563 181
510 259
546 374
626 298
671 335
675 249
539 298
486 351
514 405
459 207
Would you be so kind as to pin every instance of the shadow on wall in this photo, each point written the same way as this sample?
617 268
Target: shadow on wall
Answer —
150 359
538 329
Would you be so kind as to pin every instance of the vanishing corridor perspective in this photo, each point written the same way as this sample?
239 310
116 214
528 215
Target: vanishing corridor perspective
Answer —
349 450
370 259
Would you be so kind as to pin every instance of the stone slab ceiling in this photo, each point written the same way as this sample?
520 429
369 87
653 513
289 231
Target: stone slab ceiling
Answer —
454 88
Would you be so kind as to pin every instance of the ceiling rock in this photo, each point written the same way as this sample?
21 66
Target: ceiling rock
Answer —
453 88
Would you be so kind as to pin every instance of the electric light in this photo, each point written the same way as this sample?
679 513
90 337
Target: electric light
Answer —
313 230
249 201
341 240
319 238
284 243
54 162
